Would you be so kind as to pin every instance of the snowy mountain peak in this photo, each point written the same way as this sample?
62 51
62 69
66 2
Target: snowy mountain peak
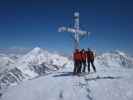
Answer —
36 50
115 58
38 59
120 53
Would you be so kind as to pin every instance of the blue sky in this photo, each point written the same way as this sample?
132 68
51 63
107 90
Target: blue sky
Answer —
31 23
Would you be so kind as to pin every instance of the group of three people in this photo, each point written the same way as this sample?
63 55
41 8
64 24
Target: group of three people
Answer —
82 59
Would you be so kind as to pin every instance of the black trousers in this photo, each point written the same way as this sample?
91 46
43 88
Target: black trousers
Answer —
92 64
84 65
77 67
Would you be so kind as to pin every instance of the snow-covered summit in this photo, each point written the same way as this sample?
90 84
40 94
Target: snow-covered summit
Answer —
115 59
36 53
118 52
40 58
34 63
36 50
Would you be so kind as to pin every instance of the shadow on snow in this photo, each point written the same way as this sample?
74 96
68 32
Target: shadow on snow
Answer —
64 74
104 77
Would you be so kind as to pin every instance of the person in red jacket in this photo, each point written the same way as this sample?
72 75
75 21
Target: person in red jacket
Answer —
90 59
84 58
77 61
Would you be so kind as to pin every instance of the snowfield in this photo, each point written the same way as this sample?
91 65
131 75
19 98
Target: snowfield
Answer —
62 85
112 81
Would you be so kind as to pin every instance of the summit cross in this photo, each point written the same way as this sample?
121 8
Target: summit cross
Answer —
77 33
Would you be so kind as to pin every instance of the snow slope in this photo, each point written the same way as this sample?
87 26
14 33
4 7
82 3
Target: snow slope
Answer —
38 59
62 85
5 62
35 63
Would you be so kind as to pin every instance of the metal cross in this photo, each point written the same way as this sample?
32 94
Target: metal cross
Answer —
77 33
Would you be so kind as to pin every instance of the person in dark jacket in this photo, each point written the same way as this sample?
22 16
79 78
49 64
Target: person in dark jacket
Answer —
90 59
84 58
77 61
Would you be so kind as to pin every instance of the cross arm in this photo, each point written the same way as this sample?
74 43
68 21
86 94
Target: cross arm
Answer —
72 30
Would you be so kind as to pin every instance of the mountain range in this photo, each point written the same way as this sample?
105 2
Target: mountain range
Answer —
37 62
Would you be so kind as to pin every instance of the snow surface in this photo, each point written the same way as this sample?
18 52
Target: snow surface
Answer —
5 62
106 84
113 80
